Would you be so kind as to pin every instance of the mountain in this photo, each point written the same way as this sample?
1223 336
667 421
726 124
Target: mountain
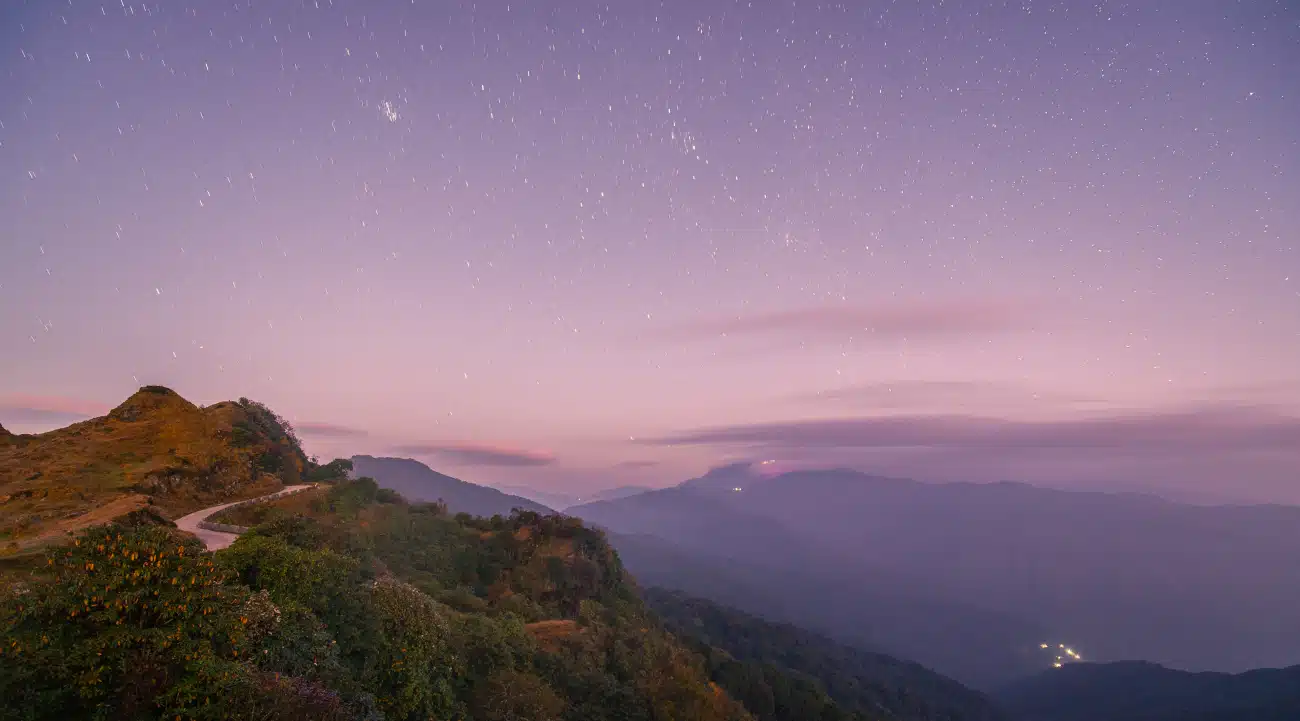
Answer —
561 501
757 564
610 494
1114 575
741 646
418 482
550 499
155 450
871 610
1139 691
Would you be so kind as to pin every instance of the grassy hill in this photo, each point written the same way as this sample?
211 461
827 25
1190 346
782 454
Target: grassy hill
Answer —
156 451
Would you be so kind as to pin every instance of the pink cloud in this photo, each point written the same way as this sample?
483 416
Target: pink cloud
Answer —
476 454
328 430
897 320
37 408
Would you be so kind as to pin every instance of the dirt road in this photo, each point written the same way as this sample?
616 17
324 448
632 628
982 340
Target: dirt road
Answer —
217 540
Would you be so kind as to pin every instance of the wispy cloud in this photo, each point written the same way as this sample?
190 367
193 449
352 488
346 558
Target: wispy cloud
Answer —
1239 451
1221 428
328 430
928 395
25 408
912 319
473 454
636 464
1274 392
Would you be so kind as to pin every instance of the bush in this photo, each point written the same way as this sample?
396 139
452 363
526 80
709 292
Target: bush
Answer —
412 668
131 622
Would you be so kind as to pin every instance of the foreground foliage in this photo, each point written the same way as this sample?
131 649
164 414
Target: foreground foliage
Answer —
363 606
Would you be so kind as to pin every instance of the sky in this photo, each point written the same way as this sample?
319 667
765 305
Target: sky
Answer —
573 245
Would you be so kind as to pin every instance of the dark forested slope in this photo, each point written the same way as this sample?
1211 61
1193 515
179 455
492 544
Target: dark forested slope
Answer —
1136 691
746 652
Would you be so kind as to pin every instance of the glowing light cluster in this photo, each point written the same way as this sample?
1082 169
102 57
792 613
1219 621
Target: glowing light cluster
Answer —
1063 654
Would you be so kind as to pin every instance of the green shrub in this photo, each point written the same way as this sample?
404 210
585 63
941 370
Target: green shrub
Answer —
130 622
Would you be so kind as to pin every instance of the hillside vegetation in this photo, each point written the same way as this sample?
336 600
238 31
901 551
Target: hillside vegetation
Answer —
755 660
365 606
156 453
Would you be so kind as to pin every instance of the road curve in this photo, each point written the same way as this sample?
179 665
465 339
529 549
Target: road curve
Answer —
217 540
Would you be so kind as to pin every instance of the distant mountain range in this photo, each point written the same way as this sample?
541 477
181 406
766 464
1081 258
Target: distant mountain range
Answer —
968 578
965 579
1137 691
418 482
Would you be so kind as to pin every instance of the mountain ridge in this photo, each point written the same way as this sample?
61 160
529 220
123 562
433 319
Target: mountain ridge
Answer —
419 482
1097 569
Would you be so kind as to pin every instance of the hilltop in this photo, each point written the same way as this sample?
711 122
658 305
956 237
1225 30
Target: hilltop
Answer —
156 453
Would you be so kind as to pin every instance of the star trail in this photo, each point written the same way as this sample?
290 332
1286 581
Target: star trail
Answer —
609 237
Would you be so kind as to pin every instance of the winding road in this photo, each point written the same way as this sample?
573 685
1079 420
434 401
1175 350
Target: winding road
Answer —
217 540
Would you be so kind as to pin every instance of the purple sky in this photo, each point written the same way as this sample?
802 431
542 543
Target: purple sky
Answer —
581 244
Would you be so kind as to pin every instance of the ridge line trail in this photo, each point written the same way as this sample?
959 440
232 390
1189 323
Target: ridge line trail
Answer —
217 540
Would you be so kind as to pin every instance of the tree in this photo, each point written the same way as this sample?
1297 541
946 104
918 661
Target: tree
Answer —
509 695
411 669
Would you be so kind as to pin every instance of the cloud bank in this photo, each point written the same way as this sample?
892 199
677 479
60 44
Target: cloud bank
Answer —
328 430
1231 452
913 319
1221 428
916 395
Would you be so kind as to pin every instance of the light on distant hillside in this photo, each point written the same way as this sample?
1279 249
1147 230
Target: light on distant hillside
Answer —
737 488
1061 654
